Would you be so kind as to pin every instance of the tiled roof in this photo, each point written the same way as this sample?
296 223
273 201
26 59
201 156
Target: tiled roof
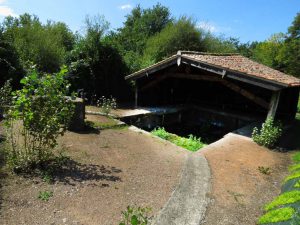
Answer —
230 62
244 65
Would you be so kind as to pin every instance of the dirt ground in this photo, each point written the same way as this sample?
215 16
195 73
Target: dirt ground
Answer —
239 189
107 171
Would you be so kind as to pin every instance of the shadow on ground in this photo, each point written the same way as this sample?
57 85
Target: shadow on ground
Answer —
88 129
74 173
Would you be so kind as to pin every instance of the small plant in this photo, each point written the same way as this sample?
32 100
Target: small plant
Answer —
136 216
39 114
269 134
191 143
107 104
45 195
264 170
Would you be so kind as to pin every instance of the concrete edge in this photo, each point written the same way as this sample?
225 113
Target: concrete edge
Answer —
187 204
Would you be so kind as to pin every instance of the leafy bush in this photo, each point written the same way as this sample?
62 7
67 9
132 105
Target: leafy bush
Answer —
107 104
277 215
268 134
191 143
136 216
283 199
40 112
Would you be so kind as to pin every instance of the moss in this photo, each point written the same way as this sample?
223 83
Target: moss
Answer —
294 167
283 199
292 176
277 215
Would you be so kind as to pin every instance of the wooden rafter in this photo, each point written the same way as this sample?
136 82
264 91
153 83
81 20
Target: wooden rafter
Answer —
226 83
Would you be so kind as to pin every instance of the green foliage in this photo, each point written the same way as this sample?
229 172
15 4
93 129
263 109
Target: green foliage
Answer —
283 199
268 134
298 106
294 167
40 112
140 24
10 65
107 104
264 170
45 195
5 97
191 143
296 157
95 65
277 215
45 45
295 175
136 216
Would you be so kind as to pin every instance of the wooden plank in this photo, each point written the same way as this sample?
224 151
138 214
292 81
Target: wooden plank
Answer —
136 96
274 104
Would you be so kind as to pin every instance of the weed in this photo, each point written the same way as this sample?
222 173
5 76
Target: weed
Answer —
45 195
277 215
264 170
107 104
136 216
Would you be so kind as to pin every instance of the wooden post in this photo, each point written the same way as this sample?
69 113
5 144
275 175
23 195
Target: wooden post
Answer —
274 104
136 96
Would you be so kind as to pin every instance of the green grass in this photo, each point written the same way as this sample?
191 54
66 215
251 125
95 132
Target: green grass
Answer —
283 199
277 215
297 185
191 143
45 195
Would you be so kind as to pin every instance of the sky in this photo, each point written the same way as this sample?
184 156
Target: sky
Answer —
248 20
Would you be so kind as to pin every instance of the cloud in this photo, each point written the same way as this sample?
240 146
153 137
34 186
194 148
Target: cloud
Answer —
123 7
213 28
2 1
208 26
6 11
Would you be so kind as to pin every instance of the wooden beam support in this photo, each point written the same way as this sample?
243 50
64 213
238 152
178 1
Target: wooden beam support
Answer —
211 78
274 104
136 95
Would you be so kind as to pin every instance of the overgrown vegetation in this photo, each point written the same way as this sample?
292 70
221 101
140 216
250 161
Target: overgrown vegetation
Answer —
136 216
191 143
269 133
286 207
38 114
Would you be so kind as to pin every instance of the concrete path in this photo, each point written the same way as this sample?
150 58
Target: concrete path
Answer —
188 203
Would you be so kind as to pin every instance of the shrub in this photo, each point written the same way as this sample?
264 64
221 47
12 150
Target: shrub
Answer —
268 134
283 199
136 216
107 104
40 112
277 215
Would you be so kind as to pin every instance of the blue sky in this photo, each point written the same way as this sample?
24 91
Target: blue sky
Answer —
248 20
